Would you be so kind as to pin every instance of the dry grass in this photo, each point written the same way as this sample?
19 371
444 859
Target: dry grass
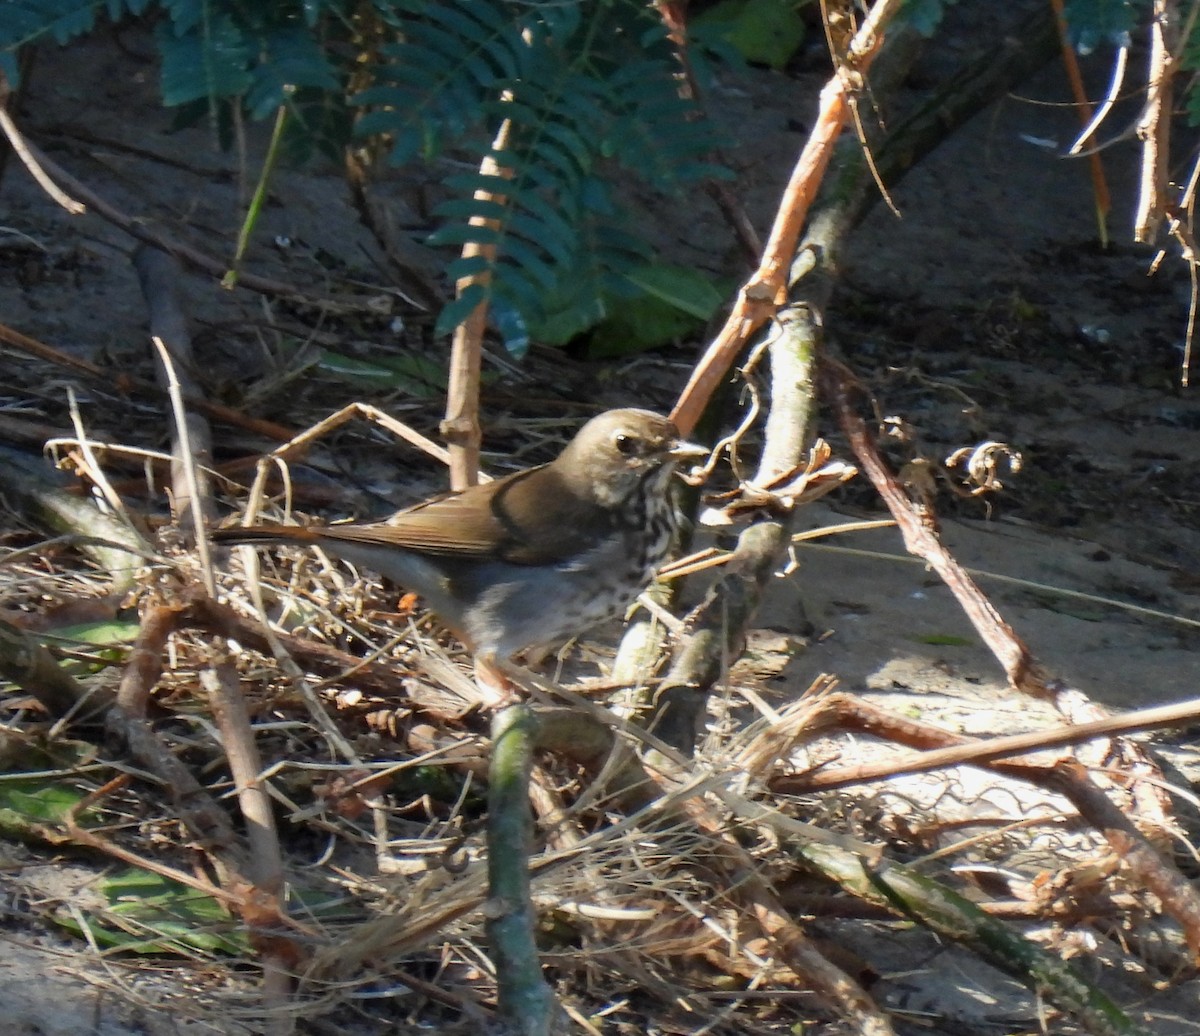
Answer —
652 913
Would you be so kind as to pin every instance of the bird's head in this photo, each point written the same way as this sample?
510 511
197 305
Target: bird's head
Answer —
619 450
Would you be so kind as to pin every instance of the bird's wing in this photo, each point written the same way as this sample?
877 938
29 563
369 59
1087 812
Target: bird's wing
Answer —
528 518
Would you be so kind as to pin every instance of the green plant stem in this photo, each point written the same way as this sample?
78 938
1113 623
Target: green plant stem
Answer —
942 910
260 196
526 1003
716 635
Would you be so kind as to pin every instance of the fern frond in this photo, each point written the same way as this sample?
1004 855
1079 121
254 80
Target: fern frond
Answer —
291 59
582 86
24 21
438 82
1092 22
208 61
186 15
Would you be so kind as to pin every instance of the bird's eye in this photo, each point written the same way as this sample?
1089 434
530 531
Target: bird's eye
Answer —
626 444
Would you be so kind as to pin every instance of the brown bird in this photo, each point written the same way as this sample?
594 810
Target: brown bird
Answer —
533 558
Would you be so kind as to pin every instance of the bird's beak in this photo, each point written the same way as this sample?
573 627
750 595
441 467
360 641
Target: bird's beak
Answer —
687 451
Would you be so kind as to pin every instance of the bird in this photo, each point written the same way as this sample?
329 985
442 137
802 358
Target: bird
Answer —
532 559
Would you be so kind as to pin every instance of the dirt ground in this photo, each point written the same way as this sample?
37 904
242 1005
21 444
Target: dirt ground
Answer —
988 311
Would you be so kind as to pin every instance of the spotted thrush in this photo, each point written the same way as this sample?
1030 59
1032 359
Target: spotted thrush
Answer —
533 558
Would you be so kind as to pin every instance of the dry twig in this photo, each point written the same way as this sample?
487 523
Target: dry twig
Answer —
764 292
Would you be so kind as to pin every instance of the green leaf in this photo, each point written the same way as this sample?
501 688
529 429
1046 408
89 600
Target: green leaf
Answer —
112 638
207 64
467 266
462 233
23 21
1092 22
666 304
531 256
565 319
683 287
290 60
413 374
471 208
487 183
638 325
35 800
457 311
148 913
924 15
104 633
767 32
508 320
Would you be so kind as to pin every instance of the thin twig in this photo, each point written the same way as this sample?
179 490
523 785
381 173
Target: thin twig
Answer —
192 503
94 470
189 466
1154 126
265 863
918 528
1116 81
31 666
1084 107
17 141
984 750
461 427
764 292
228 415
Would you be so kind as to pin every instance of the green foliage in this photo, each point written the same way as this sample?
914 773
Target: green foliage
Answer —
1092 22
588 87
35 797
1089 22
414 375
222 59
94 645
26 802
766 32
215 53
23 21
925 15
661 305
1191 62
147 913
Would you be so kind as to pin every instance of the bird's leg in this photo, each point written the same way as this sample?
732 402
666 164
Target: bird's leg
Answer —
496 689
